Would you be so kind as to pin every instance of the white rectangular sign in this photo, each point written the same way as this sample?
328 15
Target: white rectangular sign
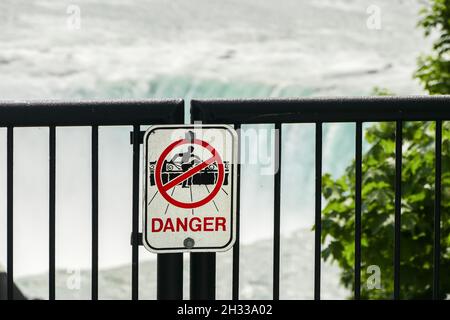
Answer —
190 188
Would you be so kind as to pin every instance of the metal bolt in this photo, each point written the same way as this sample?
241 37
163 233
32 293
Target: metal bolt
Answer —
189 243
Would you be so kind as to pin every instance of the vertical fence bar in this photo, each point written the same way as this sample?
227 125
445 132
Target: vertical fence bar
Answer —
169 283
135 222
235 294
318 212
437 210
9 209
52 212
203 276
94 190
276 210
398 206
358 178
170 276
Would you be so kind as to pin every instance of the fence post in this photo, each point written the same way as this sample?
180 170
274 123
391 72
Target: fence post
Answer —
203 276
170 276
169 268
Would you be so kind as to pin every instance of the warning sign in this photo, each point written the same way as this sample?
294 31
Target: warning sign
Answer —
189 188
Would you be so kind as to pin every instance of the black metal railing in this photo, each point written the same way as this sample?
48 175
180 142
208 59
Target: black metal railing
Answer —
320 111
85 114
238 113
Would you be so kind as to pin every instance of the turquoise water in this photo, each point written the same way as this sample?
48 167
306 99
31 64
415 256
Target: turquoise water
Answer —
187 87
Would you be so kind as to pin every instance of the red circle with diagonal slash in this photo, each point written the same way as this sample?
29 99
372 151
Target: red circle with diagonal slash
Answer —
163 188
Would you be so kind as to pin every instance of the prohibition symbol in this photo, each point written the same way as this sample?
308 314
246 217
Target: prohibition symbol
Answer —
189 173
190 188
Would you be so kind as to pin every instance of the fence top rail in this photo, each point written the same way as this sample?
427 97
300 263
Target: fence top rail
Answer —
308 110
86 113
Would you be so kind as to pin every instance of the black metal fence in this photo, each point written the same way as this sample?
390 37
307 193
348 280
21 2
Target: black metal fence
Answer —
319 111
236 112
85 114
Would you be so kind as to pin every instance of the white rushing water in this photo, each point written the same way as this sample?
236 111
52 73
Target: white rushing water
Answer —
188 49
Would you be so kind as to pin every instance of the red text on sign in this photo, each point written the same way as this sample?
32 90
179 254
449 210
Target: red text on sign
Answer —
194 224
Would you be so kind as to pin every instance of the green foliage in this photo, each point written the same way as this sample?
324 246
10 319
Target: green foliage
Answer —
378 212
434 69
377 243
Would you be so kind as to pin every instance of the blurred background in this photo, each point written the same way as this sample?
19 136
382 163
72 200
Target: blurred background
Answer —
139 49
